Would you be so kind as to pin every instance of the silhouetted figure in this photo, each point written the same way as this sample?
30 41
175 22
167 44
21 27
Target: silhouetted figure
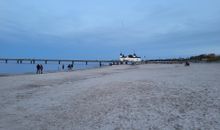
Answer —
63 67
41 69
68 67
71 66
38 69
187 63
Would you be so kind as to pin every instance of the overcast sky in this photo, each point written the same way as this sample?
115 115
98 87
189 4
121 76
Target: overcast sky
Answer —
101 29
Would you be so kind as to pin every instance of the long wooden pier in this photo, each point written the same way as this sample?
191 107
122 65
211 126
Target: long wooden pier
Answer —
111 62
59 61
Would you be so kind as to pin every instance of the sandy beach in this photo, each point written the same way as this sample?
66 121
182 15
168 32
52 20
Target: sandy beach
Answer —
125 97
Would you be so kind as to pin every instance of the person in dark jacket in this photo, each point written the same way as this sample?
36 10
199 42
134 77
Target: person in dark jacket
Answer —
63 67
187 63
41 68
38 69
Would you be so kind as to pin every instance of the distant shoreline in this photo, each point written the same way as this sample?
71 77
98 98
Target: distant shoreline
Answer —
47 72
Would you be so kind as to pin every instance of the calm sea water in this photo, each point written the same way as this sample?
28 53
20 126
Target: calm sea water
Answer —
14 68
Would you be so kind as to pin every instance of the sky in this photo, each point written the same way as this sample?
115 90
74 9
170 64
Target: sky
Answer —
102 29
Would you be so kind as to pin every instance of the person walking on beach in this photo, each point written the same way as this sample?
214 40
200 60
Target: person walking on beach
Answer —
71 66
38 69
41 69
187 63
63 67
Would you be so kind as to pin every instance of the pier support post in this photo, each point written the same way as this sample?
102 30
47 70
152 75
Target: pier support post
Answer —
18 61
6 61
86 62
45 61
59 62
72 62
33 61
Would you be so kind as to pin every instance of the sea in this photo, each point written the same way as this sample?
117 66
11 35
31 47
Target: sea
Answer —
13 68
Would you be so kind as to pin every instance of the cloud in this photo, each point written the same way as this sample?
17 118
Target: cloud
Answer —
116 25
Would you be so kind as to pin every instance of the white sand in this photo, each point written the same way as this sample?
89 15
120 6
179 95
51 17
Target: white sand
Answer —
154 97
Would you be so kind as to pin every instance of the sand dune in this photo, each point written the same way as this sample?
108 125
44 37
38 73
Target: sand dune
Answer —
142 97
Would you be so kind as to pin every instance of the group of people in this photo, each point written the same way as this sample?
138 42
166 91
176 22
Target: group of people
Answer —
40 69
70 67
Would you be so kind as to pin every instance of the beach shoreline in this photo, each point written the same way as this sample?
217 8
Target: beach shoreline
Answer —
48 72
127 97
96 67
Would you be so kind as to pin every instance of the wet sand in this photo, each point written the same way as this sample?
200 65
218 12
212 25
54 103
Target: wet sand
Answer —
142 97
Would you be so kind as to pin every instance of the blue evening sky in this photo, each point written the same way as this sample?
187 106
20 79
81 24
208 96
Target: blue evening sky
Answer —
101 29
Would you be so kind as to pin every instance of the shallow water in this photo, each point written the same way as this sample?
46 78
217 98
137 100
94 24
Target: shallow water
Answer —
14 68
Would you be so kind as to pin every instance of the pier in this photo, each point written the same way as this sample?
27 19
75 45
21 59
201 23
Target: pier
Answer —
100 62
58 61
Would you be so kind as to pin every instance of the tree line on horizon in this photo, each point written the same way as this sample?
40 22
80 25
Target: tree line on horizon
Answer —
206 57
212 57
